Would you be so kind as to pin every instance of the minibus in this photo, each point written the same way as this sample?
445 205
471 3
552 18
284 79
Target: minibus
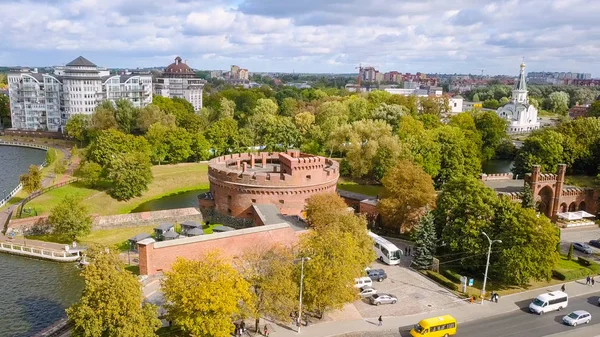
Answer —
441 326
555 300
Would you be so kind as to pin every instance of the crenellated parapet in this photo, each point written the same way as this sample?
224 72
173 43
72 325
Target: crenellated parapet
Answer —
496 176
286 179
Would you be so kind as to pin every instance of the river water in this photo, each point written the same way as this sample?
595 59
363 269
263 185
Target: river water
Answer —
15 161
33 293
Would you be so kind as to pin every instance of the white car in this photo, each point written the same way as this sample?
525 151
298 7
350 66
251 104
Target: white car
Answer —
367 291
577 317
362 281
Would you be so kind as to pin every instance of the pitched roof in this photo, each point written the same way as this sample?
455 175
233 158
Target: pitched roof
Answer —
81 62
190 223
521 84
195 231
171 235
165 226
140 237
221 229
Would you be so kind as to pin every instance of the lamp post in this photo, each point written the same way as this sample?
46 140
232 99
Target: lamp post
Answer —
487 264
301 284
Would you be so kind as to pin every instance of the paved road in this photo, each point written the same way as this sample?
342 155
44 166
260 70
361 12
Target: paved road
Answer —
524 324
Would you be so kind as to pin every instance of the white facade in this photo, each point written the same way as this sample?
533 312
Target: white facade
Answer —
456 104
179 80
521 116
46 101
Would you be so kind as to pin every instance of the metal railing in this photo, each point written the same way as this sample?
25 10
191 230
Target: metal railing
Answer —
40 192
13 143
48 254
9 196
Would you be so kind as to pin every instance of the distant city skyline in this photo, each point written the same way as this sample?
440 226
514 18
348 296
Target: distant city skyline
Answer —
310 36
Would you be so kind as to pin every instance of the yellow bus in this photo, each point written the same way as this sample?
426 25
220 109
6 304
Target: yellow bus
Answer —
442 326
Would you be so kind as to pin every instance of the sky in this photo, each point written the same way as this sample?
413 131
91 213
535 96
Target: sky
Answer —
325 36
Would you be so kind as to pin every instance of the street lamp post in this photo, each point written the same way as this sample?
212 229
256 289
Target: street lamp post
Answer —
487 264
301 284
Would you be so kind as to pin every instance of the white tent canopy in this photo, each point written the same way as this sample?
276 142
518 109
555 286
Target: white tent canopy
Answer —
571 216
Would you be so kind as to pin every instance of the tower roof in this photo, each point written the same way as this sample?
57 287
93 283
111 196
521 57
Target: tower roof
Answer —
521 84
81 62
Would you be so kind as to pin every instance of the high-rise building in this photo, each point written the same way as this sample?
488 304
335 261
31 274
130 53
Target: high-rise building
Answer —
45 101
179 80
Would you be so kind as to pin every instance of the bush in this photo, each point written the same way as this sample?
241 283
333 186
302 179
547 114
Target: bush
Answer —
441 279
570 274
571 251
50 156
584 261
451 275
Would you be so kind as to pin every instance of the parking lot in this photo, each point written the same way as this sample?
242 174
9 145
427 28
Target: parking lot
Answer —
415 293
583 235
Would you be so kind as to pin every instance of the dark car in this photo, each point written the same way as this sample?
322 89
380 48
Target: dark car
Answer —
595 243
582 247
377 274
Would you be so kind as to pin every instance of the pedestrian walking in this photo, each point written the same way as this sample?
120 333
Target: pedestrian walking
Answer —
593 281
409 252
380 320
496 298
587 280
243 326
266 331
562 288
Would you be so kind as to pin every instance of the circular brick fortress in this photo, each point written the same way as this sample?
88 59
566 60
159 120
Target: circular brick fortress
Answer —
284 179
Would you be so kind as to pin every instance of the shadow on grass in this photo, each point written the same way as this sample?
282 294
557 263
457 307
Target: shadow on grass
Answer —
135 270
49 238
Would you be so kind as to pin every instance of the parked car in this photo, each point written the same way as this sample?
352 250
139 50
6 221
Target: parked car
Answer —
582 247
577 317
378 299
377 274
367 291
595 243
362 281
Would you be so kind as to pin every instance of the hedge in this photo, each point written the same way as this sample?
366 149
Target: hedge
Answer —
441 279
584 261
451 275
571 274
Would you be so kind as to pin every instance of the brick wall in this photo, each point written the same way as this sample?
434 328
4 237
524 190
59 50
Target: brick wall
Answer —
156 257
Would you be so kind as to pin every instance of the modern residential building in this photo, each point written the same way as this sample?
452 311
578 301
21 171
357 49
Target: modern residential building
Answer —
179 80
392 76
238 73
521 115
45 101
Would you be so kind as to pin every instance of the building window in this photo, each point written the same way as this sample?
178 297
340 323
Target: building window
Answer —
282 202
308 177
229 211
228 198
253 201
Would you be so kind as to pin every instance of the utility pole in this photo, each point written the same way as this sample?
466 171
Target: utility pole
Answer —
301 284
487 264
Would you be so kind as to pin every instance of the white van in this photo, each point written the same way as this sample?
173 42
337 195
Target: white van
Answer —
363 282
551 301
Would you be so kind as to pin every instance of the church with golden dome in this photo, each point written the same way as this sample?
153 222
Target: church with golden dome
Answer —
520 114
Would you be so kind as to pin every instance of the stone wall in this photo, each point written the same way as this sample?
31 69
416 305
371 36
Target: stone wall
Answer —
147 218
156 257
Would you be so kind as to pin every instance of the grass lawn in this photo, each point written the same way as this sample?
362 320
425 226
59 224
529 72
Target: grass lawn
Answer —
168 179
371 190
582 181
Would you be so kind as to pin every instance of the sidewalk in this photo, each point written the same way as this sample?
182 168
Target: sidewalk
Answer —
463 314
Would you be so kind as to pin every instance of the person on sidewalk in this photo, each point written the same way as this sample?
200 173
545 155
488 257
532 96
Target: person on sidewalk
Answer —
266 331
587 280
593 281
562 288
380 320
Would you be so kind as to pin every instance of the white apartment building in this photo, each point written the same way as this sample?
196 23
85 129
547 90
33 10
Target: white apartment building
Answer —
46 101
179 80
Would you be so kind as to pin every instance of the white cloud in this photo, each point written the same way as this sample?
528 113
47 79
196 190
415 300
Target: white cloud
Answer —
307 35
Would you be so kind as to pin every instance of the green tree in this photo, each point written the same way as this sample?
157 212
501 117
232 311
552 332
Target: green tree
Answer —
425 241
90 172
407 192
110 143
541 148
559 102
491 104
458 156
50 156
223 135
466 123
200 147
70 219
179 142
304 122
152 114
157 136
527 198
465 207
103 118
77 127
5 111
130 175
60 167
271 276
322 207
204 296
358 108
571 252
32 180
112 303
529 242
594 109
390 113
226 109
493 131
126 115
476 98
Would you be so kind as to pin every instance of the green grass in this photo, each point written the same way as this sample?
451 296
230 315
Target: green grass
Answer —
582 181
370 190
45 202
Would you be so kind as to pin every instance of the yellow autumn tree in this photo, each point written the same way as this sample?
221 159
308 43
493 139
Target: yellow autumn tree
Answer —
204 297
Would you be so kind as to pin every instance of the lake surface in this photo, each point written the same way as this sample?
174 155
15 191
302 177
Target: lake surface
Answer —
181 200
497 166
15 161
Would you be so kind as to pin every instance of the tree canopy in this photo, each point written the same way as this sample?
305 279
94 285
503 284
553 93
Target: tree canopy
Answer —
70 219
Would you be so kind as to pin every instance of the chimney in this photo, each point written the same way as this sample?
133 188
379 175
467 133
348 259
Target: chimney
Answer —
252 160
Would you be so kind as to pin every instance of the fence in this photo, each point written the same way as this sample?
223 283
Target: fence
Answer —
40 192
11 194
21 144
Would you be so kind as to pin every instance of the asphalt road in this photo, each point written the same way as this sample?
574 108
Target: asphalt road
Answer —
522 323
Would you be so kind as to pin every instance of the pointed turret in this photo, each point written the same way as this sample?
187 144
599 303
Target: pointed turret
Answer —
519 94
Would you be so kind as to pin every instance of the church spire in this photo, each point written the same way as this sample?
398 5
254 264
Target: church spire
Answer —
521 84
